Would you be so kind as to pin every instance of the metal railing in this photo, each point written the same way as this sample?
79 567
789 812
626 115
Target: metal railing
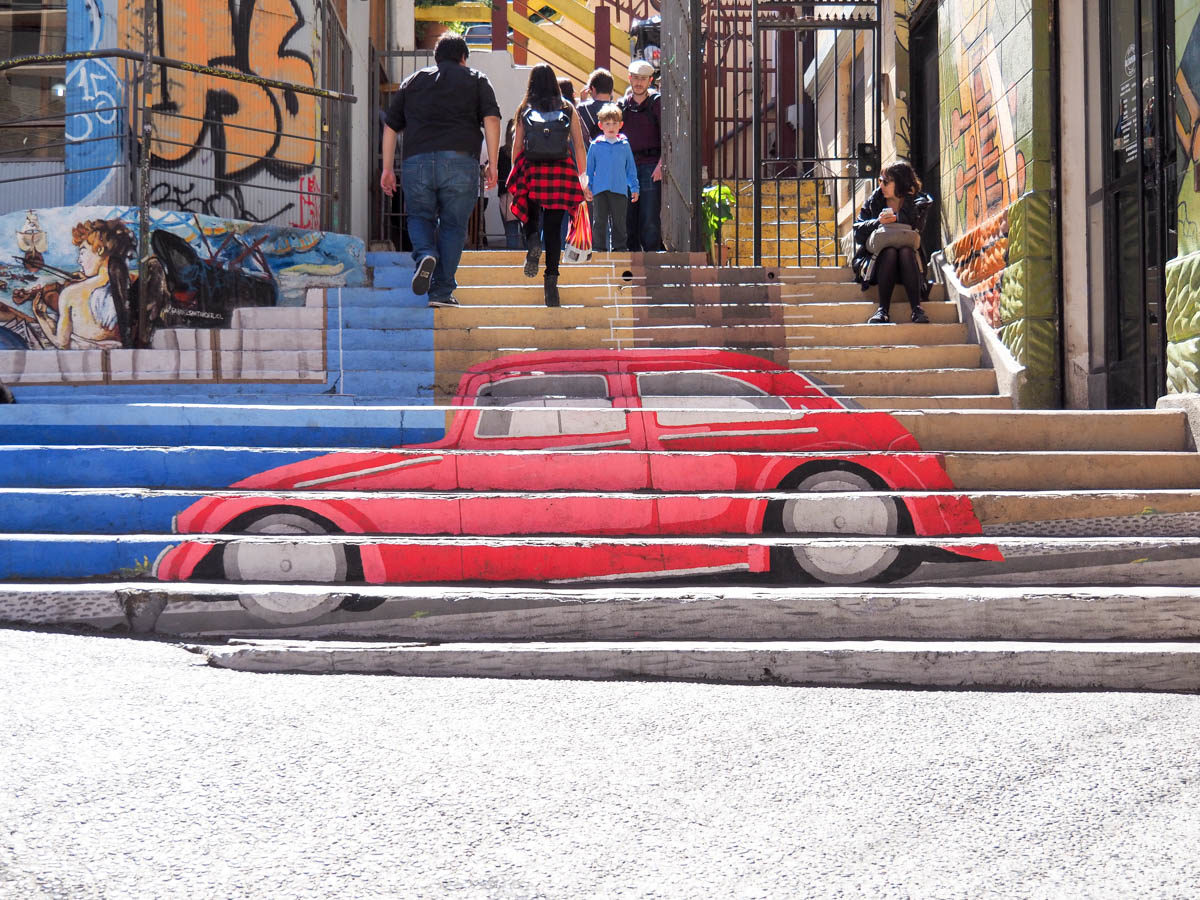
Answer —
143 129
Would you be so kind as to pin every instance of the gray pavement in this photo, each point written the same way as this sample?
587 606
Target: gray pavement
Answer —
130 769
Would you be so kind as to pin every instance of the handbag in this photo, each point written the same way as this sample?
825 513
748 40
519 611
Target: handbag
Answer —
893 234
579 237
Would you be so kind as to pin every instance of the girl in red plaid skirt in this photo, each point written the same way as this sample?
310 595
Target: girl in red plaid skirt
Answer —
549 187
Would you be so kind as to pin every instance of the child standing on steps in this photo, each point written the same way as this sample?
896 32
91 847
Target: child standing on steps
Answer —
612 180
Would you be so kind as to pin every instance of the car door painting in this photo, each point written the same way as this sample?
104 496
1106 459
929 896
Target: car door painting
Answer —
600 465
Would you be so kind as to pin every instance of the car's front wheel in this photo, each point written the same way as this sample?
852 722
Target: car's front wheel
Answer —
874 514
288 562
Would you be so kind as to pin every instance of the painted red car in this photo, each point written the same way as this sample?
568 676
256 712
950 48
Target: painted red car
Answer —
599 444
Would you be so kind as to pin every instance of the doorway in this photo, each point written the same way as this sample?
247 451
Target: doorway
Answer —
924 111
1139 195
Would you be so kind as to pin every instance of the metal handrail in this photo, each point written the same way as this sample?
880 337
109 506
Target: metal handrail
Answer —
195 68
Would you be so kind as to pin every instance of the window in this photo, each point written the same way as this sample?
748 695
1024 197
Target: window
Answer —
546 406
681 398
32 98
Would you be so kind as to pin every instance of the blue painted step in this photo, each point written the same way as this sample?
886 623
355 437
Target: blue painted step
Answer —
183 468
218 425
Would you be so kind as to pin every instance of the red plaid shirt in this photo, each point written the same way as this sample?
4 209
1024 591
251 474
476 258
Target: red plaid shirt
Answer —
553 185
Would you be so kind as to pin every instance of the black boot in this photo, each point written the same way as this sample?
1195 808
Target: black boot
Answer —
551 289
533 254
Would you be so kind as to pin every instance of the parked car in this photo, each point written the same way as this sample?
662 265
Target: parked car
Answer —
480 35
611 441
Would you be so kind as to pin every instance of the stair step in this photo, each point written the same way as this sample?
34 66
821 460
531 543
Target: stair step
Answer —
447 559
139 510
936 356
1108 430
856 313
951 664
910 382
703 612
860 334
970 401
474 276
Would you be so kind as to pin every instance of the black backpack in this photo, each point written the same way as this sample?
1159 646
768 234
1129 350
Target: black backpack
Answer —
547 134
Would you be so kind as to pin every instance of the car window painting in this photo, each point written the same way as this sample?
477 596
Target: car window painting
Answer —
549 405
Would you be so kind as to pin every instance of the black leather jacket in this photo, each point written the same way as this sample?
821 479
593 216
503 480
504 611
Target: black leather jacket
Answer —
913 212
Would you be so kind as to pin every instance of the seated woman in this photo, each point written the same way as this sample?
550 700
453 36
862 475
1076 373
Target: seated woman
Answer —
898 199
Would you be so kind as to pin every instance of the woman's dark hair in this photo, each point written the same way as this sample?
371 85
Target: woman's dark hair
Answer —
904 177
567 89
451 48
543 93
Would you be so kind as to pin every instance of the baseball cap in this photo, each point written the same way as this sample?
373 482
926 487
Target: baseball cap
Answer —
640 67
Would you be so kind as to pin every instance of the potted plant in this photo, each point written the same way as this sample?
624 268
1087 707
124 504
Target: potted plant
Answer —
716 206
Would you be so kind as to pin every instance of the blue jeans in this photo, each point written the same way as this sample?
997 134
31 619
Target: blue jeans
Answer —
440 190
513 239
642 221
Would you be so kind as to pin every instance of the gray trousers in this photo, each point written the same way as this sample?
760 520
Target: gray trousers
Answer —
611 209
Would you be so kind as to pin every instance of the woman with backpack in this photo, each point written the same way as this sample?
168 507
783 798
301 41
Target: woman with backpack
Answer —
549 157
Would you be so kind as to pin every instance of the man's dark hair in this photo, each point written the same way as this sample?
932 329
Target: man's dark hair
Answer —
451 48
601 81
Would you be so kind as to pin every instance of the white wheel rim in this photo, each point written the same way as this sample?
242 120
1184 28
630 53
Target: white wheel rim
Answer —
869 515
286 562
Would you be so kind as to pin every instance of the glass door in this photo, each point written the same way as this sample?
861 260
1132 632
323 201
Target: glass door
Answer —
1139 196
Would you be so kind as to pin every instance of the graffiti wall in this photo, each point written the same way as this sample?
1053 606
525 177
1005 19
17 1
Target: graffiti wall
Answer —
996 175
70 280
227 148
1183 277
96 115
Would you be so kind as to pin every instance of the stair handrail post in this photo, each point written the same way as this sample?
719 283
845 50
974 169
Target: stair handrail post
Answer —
520 53
500 25
143 104
756 127
603 49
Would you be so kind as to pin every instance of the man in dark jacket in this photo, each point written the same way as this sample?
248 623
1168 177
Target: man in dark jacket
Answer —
642 109
444 112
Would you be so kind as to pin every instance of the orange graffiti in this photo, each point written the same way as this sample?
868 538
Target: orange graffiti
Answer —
266 128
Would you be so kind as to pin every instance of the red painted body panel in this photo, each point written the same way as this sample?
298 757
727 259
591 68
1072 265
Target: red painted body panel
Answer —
711 454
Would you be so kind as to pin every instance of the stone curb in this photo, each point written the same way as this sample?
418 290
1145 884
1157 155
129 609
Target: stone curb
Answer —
1120 667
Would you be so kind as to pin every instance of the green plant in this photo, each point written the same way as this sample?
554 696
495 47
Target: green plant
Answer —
716 205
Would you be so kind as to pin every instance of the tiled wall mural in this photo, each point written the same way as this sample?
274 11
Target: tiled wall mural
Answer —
70 280
996 175
1183 273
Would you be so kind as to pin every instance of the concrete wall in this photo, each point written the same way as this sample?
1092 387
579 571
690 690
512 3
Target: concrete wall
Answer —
996 175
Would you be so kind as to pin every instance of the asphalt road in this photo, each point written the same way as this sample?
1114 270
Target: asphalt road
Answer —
130 769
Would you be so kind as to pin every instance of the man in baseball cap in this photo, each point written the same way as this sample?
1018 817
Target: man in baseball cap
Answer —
642 110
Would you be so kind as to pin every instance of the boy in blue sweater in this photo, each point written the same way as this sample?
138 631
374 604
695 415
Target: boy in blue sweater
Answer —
612 180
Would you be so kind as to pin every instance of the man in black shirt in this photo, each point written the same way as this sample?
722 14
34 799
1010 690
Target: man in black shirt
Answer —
600 87
444 111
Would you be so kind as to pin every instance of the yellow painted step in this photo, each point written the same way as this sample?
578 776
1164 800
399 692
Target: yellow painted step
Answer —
855 313
504 339
1129 430
936 402
533 314
943 356
492 275
862 335
1024 471
912 382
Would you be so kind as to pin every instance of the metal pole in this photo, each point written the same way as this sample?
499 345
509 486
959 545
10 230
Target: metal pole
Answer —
756 126
144 167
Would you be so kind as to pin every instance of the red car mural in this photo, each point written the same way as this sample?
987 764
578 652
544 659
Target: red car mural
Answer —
666 443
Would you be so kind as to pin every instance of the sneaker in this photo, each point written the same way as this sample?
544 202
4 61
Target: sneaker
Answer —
533 254
444 301
423 275
880 317
918 315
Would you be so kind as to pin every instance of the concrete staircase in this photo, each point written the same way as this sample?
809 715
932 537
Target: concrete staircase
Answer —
1058 527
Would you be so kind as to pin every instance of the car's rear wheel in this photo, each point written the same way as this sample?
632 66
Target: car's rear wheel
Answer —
287 562
875 514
